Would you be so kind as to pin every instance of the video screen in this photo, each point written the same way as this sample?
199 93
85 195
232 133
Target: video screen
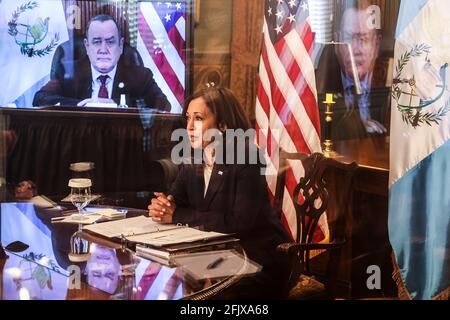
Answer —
105 54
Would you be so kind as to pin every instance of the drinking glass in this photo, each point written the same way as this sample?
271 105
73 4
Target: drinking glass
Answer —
80 193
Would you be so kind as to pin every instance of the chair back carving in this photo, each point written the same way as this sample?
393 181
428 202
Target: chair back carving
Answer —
310 198
324 188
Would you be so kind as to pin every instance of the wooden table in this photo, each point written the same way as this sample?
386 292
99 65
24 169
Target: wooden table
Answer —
372 157
368 229
42 271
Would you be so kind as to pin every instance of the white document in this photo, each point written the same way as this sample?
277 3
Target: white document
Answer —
100 105
108 213
43 202
128 227
174 236
81 219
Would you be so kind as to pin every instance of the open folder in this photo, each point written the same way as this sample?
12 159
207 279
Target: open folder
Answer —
145 231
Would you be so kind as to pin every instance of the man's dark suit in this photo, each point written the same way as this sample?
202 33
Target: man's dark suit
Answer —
236 202
138 81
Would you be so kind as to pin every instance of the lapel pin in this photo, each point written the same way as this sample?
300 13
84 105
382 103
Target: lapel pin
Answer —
220 173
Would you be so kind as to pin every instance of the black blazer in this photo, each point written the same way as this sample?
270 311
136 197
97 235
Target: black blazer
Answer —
236 202
138 81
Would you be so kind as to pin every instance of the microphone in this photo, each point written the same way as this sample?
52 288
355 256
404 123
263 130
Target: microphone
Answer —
123 100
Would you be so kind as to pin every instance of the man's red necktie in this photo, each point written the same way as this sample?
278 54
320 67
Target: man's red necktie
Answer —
103 92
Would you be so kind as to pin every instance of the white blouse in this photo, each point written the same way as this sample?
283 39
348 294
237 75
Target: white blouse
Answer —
207 175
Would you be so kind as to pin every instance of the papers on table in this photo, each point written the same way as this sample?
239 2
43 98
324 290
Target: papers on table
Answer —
91 216
108 213
173 236
44 202
146 231
166 254
128 227
77 218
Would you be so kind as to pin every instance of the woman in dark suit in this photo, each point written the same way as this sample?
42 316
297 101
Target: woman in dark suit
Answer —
226 197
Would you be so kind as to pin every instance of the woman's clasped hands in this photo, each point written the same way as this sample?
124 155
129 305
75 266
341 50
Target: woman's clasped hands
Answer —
162 207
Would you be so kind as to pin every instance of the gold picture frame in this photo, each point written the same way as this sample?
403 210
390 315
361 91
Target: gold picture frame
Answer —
197 11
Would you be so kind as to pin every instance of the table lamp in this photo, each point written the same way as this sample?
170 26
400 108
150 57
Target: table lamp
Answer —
329 85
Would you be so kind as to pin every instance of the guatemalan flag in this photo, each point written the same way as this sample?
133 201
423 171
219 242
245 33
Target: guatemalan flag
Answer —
30 31
419 196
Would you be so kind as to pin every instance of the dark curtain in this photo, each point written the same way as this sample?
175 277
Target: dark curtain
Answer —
122 147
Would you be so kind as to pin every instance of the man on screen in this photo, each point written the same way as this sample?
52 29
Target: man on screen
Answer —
365 44
103 76
358 114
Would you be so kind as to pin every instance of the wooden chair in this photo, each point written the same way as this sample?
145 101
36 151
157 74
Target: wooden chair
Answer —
326 187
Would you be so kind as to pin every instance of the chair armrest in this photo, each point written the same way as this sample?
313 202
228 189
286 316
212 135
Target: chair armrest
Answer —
290 247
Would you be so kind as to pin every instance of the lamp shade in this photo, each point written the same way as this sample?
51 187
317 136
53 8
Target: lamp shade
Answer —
321 16
80 183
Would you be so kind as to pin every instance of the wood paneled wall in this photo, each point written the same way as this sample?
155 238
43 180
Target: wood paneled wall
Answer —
124 13
248 17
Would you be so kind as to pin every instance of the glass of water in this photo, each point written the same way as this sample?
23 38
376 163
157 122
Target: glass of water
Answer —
80 193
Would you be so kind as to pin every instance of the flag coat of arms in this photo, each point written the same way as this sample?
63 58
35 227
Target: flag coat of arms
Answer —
30 31
287 114
419 194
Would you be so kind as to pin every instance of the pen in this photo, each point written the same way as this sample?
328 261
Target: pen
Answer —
215 263
58 218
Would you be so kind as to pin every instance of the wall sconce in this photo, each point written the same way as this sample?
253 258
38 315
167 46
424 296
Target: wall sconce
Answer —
328 143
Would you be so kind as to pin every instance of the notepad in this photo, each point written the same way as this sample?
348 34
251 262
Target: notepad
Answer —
232 263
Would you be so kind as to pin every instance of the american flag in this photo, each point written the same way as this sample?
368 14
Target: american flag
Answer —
287 114
161 42
157 282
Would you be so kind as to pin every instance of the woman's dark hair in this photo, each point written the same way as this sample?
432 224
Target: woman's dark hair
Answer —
224 105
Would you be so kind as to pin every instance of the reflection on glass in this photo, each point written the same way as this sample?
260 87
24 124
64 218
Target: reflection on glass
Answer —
25 279
365 42
103 269
157 282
